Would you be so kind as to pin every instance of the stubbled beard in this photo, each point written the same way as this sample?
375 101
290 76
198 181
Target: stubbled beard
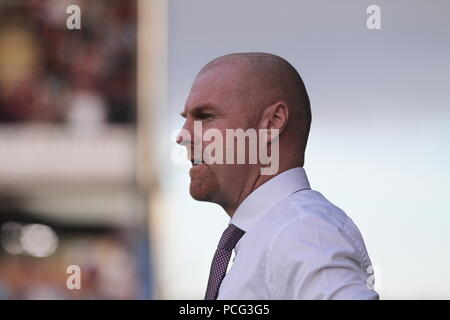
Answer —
204 186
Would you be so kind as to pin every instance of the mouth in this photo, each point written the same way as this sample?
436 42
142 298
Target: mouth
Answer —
196 162
197 166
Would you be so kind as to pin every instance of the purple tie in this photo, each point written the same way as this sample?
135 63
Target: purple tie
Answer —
219 264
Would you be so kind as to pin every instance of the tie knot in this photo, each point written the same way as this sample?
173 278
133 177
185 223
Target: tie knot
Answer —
230 237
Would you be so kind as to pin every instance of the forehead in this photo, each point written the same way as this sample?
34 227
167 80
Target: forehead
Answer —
219 85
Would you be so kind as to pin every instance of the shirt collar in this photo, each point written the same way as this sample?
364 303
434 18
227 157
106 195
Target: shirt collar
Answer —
267 195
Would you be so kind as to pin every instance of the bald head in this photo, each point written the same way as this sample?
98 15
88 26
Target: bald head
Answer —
262 79
266 78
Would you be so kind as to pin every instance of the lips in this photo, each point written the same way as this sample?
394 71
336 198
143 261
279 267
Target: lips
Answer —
196 162
196 169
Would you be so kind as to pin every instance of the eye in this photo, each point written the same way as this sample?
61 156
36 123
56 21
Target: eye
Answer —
203 116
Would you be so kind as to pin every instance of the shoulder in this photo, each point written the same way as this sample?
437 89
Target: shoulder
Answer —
315 251
310 229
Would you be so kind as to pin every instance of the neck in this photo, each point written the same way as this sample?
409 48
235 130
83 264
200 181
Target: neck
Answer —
254 181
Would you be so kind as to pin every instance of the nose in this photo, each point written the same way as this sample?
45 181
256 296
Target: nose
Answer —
184 136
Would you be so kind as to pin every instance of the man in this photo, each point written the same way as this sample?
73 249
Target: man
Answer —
289 241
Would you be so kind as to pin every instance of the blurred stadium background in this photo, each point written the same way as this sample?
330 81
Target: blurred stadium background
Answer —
69 150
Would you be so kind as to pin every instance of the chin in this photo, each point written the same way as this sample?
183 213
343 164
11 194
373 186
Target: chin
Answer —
204 184
200 192
205 188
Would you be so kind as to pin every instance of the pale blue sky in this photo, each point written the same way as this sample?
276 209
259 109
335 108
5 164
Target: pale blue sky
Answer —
379 143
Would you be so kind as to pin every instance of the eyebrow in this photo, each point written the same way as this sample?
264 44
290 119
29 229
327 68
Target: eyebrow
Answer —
200 108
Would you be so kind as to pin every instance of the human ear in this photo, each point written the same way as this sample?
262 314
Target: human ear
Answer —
275 116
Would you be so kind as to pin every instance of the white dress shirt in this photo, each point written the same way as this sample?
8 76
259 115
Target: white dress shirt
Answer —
297 245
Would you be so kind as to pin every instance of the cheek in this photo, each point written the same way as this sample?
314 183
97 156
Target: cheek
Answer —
226 174
219 128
